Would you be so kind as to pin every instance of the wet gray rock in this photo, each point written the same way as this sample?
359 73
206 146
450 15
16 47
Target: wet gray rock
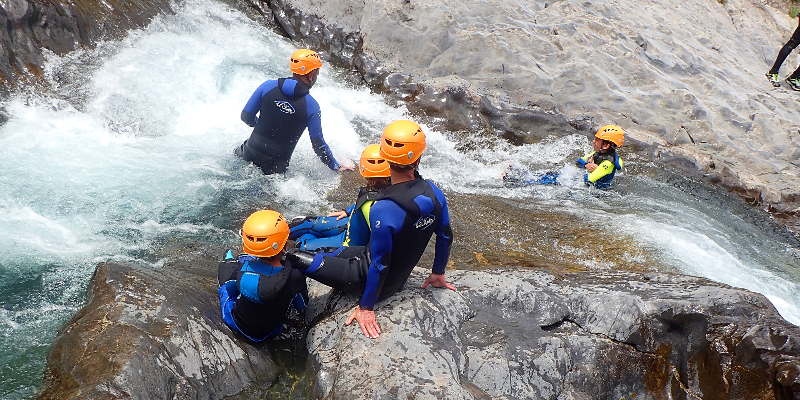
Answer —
522 334
153 334
685 79
33 26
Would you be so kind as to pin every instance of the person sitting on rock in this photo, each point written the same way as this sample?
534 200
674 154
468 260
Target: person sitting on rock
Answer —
285 109
794 79
348 227
402 220
602 163
256 291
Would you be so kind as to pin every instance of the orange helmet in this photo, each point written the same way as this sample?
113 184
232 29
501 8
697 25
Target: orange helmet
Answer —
264 233
612 133
402 142
372 165
304 61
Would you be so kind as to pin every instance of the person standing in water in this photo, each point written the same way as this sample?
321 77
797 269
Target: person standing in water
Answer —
279 111
794 79
402 220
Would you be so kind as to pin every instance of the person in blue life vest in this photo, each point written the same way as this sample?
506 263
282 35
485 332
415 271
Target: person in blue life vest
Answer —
256 291
601 164
279 111
402 220
349 227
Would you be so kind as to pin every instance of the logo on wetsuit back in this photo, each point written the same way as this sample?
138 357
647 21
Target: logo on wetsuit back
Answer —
284 106
425 222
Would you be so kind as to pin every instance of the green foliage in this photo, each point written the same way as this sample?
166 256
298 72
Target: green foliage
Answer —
794 11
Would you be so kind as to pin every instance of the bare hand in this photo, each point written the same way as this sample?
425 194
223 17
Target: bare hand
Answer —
437 281
591 167
338 214
347 166
367 322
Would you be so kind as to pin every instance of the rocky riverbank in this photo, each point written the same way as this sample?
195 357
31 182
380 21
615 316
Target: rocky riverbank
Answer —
685 79
33 27
507 333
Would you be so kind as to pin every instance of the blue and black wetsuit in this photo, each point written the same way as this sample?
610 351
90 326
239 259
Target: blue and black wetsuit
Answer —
402 221
254 297
608 164
285 109
317 233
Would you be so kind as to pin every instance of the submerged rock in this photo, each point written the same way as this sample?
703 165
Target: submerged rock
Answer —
522 334
685 79
152 334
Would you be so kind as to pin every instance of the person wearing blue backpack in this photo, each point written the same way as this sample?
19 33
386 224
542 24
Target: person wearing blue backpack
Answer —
348 227
256 291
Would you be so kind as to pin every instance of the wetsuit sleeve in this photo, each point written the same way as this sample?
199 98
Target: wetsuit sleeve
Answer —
444 235
254 104
385 218
581 162
606 167
315 132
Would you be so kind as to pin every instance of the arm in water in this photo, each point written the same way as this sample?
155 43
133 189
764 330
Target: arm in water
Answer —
254 103
315 132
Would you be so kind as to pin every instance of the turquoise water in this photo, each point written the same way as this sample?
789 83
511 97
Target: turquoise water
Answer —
133 150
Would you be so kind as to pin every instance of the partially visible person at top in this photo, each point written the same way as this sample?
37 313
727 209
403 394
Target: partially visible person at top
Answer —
794 79
256 292
402 220
349 227
279 111
602 163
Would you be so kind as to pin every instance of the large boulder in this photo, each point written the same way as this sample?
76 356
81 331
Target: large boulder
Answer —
524 334
150 333
32 26
686 79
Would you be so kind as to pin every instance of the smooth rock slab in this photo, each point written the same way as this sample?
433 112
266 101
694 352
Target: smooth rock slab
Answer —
686 79
152 334
521 334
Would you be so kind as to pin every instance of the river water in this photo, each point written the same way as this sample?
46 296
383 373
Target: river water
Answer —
132 150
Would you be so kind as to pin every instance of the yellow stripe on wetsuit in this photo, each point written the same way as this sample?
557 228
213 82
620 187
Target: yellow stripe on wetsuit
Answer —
365 212
604 168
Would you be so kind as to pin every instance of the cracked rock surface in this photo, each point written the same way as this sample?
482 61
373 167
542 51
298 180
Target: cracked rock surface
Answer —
522 334
152 334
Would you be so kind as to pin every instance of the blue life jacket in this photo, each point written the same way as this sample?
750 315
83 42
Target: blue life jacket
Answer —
254 300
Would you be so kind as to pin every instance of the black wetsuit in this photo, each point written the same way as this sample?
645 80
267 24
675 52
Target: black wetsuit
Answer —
255 297
785 51
285 109
402 221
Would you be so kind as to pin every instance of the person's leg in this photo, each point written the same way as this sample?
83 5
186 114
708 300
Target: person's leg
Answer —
317 243
344 269
785 51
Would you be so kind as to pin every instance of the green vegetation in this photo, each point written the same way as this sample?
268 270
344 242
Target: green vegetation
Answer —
794 10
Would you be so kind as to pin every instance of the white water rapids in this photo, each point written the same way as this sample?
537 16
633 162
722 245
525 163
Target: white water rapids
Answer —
134 149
